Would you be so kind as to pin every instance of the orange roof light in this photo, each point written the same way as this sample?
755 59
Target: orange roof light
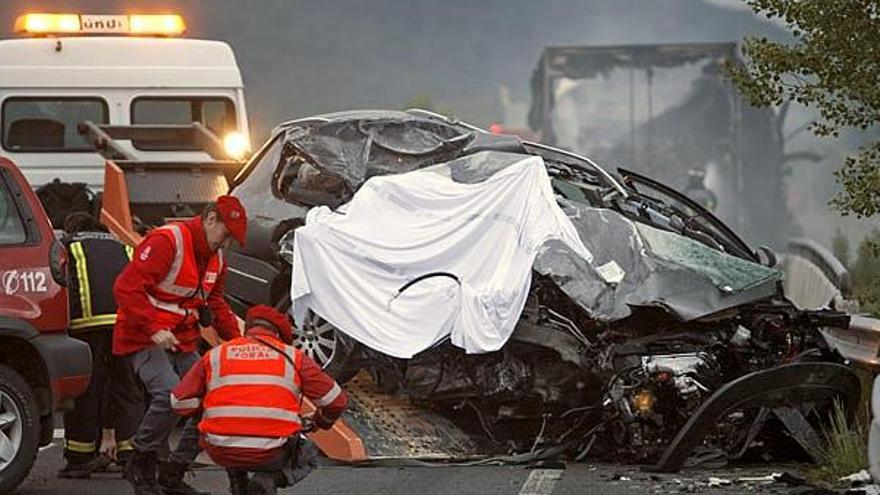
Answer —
136 24
165 24
47 23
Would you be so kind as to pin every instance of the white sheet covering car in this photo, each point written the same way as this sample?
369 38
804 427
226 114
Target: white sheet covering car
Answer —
349 264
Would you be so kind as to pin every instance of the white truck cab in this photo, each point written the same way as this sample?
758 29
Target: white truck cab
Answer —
117 70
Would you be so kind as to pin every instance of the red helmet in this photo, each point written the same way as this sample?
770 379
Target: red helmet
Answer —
267 317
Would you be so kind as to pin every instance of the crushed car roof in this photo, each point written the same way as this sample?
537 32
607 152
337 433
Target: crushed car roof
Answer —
377 143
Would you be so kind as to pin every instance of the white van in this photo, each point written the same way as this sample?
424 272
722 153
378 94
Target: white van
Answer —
111 69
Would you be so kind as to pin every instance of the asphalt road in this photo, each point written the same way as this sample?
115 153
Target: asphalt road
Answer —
493 480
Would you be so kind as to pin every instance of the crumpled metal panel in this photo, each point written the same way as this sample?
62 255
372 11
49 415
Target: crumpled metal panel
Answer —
478 167
358 149
783 386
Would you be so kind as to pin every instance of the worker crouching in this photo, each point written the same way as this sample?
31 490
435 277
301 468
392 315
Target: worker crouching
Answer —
250 392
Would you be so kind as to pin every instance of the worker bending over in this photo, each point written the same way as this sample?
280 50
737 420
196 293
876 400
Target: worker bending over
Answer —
173 286
96 258
249 392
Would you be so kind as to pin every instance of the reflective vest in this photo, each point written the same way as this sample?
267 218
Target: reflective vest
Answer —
96 259
177 297
252 397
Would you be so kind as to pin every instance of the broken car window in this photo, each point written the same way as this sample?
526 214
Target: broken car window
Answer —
728 273
301 182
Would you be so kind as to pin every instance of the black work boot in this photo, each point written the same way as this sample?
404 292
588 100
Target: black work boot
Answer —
171 480
262 484
140 471
238 481
80 469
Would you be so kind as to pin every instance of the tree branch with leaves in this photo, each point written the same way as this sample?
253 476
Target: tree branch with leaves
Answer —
832 65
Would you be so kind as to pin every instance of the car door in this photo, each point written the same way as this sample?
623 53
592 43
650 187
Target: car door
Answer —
31 260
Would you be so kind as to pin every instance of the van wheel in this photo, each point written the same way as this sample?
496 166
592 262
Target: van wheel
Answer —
337 353
19 429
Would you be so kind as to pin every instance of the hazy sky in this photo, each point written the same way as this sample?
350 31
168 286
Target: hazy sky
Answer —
304 57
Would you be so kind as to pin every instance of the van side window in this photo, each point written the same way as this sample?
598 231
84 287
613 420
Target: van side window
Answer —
11 226
32 124
217 114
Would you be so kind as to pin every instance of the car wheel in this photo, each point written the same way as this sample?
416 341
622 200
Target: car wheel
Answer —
19 429
334 351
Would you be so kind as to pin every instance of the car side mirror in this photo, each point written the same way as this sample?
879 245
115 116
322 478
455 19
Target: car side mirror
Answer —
766 256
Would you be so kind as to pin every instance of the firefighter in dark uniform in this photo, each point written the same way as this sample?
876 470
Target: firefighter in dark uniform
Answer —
697 190
110 408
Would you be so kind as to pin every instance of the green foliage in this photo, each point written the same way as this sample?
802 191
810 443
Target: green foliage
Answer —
869 297
866 274
840 247
833 65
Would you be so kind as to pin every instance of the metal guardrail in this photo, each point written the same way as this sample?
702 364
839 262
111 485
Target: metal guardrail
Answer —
860 343
815 278
824 259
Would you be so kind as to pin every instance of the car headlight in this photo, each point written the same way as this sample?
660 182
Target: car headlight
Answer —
236 145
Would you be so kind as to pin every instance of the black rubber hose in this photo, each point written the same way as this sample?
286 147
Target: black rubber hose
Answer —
425 276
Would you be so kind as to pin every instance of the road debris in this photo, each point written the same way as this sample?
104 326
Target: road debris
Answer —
857 479
715 482
770 478
864 490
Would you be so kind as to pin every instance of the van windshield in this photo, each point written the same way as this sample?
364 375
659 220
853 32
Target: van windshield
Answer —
215 113
49 123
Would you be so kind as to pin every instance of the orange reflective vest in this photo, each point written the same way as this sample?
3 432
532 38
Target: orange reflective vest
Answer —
252 394
176 298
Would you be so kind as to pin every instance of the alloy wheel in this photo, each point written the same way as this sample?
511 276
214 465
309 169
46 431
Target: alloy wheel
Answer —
317 339
10 429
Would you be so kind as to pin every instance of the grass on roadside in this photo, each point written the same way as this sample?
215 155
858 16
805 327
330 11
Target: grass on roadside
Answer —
845 446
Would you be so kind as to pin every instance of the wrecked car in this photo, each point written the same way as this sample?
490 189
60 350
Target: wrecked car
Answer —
654 335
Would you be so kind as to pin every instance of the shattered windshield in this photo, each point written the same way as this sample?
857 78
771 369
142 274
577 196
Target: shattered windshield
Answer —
647 267
728 273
